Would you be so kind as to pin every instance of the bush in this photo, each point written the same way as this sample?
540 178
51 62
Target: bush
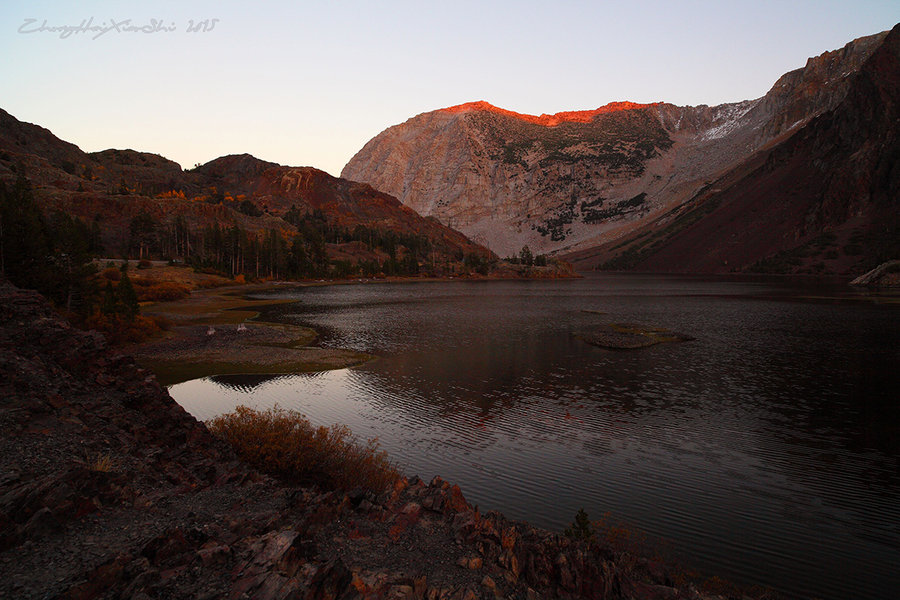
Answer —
286 445
208 282
163 323
118 329
159 291
112 274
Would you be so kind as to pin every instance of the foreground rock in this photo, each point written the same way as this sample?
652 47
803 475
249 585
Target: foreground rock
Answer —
109 489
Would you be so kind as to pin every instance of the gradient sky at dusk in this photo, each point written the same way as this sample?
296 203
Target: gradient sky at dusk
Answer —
308 83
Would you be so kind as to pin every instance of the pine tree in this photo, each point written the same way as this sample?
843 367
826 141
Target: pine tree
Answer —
110 301
127 303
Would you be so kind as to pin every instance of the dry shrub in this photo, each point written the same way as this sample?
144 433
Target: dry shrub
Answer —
209 282
159 291
102 463
164 324
112 274
119 330
285 444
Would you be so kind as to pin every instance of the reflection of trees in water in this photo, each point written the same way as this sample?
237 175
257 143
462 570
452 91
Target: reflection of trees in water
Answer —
244 383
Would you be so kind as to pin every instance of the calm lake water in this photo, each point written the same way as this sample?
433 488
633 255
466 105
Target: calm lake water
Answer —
766 451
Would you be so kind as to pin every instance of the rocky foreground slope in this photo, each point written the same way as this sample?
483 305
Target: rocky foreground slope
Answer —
573 181
109 489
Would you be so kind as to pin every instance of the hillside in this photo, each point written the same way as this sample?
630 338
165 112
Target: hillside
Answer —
579 183
143 205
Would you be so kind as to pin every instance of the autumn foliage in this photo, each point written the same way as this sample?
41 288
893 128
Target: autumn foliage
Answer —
119 329
149 290
286 445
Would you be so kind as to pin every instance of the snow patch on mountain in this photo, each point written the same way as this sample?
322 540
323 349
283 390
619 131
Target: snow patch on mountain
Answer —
728 119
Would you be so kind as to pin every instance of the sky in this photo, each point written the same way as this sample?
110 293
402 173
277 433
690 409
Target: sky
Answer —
308 83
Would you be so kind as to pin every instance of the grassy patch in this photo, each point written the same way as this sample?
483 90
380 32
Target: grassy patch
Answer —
655 335
285 444
621 336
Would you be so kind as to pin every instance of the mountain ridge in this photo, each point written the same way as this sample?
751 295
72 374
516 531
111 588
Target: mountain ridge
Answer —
509 180
121 189
829 192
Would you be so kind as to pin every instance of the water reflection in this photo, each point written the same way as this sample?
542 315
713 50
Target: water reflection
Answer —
774 433
244 383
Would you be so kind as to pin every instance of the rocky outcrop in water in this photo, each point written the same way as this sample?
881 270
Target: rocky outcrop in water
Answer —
109 489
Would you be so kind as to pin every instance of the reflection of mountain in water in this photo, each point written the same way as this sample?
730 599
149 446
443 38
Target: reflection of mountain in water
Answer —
244 383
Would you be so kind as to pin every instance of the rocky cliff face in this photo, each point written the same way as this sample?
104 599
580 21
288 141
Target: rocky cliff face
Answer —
577 179
821 201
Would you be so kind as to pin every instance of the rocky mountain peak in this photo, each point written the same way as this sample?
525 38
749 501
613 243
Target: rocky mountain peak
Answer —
545 120
569 180
235 167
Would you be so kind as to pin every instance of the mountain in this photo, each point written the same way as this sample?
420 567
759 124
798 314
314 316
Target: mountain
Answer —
144 203
581 183
825 200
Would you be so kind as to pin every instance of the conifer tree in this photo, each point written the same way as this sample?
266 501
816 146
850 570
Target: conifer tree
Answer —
127 298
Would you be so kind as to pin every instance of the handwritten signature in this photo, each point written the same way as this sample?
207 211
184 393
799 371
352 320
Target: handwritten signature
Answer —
87 26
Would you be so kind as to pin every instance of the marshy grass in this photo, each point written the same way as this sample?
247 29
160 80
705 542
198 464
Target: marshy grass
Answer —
286 445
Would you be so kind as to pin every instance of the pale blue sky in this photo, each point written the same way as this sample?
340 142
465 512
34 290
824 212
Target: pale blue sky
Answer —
308 83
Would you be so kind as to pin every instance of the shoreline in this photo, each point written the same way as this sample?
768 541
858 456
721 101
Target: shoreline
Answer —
113 489
189 351
205 340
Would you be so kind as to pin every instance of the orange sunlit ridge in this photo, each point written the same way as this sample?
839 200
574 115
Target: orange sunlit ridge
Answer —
570 116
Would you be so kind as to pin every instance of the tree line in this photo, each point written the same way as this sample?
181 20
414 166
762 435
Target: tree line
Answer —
51 254
278 254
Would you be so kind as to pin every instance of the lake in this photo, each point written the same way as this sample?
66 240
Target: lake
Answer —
766 451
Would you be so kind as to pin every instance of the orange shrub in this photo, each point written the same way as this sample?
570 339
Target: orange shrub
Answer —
209 282
286 445
119 330
112 274
159 291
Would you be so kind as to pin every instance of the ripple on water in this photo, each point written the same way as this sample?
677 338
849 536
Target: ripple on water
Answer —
753 451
